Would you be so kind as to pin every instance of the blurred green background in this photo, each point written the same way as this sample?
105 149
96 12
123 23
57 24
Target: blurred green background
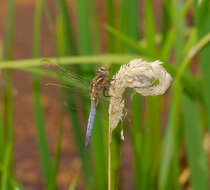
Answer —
167 140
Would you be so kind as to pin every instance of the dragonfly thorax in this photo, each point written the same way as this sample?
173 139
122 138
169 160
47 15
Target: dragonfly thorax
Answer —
98 83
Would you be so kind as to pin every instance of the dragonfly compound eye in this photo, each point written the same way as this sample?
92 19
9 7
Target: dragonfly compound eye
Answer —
103 70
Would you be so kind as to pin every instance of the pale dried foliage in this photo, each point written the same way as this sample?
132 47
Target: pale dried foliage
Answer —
146 78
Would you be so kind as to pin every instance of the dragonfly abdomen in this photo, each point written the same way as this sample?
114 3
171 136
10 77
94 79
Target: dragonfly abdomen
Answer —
90 123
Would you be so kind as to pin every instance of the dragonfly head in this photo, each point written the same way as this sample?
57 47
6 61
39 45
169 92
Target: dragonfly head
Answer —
103 71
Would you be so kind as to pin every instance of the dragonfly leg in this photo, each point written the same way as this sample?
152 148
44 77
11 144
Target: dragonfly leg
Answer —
105 91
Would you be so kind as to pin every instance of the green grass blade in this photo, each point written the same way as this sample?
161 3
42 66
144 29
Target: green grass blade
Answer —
124 14
7 130
133 19
98 149
128 41
41 134
136 136
171 134
37 32
8 46
179 28
68 29
14 184
83 27
151 139
186 7
1 118
8 94
94 26
202 43
84 33
150 27
70 98
55 164
74 183
166 19
111 42
167 45
169 158
202 18
194 146
68 60
48 15
8 133
191 41
38 110
2 140
170 138
6 167
8 110
61 45
128 21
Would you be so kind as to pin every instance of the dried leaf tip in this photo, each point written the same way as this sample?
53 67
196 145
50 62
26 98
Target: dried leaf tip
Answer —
146 78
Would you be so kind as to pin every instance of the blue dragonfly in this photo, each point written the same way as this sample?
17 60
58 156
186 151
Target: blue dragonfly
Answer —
96 88
97 85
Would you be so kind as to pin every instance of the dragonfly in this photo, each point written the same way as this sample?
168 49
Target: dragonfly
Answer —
98 85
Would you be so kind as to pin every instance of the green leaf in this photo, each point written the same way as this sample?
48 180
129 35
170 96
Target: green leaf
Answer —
137 137
128 41
6 168
166 18
194 146
8 46
171 134
170 137
68 28
68 60
94 26
7 128
74 183
179 27
202 18
38 110
150 27
83 27
71 98
55 164
111 41
167 45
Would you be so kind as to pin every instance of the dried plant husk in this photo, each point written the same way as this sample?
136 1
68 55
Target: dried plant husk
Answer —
146 78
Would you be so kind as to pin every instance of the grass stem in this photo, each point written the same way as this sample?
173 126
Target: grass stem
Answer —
109 158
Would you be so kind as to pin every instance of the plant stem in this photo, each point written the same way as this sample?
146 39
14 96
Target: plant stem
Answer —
109 157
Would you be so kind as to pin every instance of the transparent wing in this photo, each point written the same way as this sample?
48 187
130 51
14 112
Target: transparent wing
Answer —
66 76
74 79
74 83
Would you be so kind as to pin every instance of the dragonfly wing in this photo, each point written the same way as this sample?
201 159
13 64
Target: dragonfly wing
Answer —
90 123
75 78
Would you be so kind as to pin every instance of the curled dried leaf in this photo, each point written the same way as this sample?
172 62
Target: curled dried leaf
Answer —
146 78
